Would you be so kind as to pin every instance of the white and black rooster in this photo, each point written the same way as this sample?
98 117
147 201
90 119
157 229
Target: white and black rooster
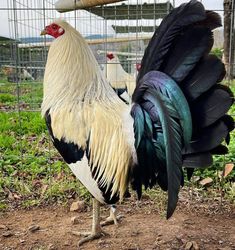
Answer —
123 82
177 119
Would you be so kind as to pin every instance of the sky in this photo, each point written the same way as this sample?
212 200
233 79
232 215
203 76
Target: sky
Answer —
209 4
86 23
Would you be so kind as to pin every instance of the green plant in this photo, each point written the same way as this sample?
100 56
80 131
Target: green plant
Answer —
30 203
3 206
7 98
217 52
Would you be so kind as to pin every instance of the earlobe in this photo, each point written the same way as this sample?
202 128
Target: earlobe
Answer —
61 31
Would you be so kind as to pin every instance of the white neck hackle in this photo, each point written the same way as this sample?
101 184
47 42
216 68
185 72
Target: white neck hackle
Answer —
72 72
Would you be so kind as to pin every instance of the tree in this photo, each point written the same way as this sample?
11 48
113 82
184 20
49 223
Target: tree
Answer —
228 37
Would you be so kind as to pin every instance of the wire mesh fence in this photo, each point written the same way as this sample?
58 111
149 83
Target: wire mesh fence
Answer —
121 28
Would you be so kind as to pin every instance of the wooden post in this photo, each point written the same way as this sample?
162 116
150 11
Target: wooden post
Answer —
68 5
228 56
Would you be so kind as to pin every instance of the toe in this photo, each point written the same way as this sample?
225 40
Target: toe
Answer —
90 238
81 233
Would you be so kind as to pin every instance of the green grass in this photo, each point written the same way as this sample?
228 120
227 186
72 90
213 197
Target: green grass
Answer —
29 95
7 98
29 164
31 171
3 206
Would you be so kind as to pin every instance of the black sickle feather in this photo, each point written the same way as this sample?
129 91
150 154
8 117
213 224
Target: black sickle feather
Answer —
219 150
173 143
165 85
149 162
190 173
150 108
212 105
208 72
229 122
201 160
212 21
145 172
162 180
138 116
208 139
184 55
169 29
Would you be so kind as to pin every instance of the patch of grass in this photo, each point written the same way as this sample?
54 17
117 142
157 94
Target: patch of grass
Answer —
60 190
7 98
217 52
30 203
24 123
230 191
29 94
3 206
32 172
7 142
3 80
160 198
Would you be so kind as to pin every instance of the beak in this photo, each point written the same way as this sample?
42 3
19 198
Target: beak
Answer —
43 32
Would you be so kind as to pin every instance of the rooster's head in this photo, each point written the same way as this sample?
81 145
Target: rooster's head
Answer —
54 30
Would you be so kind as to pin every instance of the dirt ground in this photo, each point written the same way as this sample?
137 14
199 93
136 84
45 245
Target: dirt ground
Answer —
194 225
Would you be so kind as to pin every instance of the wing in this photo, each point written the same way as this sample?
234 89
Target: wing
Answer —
103 162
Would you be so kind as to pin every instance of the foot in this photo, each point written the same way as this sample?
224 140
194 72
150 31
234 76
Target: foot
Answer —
89 236
111 220
96 231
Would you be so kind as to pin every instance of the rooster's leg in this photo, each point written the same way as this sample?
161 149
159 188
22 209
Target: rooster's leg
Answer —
96 231
113 217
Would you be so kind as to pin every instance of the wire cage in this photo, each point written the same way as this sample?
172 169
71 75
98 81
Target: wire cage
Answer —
123 28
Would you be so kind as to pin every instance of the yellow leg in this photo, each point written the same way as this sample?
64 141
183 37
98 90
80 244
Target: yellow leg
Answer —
96 231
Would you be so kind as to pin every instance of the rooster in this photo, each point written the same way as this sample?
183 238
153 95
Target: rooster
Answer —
177 118
120 80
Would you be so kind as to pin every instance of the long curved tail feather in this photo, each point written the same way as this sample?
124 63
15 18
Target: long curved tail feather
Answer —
180 106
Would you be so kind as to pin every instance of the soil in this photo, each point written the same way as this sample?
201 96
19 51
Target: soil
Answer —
195 225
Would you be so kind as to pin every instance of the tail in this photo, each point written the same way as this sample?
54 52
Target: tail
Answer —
179 106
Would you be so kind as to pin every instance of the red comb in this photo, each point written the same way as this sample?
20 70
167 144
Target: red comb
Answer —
110 56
